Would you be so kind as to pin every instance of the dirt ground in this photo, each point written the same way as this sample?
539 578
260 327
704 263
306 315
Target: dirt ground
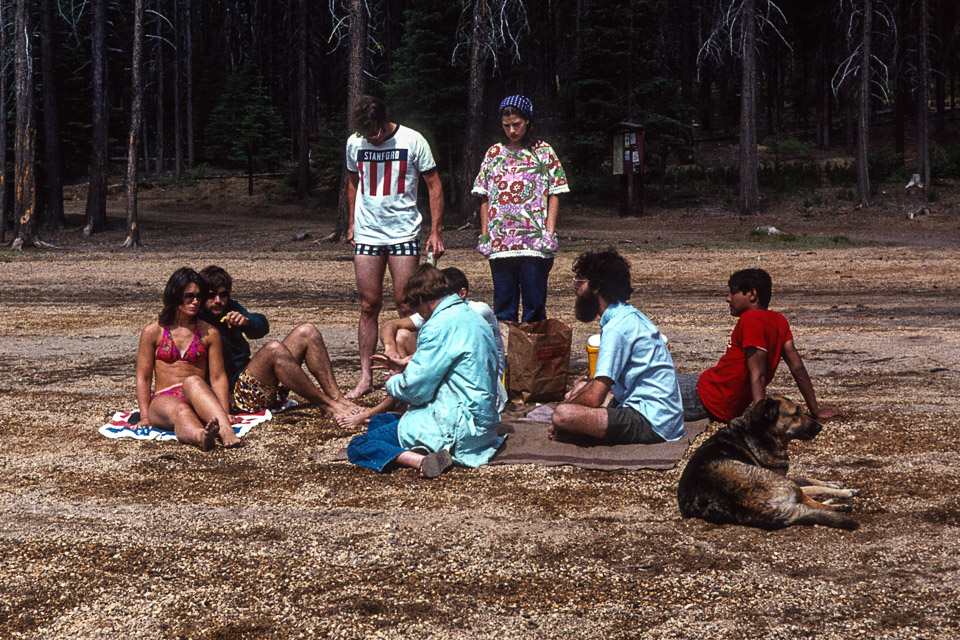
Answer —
125 539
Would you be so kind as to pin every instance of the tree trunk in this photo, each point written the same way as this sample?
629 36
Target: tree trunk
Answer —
136 118
249 168
177 98
303 147
923 104
158 58
472 146
578 106
25 224
706 97
356 87
900 83
863 114
4 208
191 151
823 102
51 122
99 160
749 187
725 115
770 84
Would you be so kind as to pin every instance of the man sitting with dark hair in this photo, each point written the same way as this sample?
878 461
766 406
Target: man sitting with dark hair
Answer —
449 384
633 363
263 382
759 339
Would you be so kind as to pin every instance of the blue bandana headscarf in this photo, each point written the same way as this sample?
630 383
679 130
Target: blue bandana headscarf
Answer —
519 102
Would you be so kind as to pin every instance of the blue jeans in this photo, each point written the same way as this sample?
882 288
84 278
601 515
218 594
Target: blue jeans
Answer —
379 446
520 277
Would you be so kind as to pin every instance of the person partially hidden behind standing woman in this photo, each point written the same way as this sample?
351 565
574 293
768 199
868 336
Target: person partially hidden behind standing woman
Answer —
519 182
179 350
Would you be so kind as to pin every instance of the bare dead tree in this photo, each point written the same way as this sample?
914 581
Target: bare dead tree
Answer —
4 209
177 91
188 63
863 113
356 87
136 123
159 40
489 29
97 191
749 178
738 28
25 204
472 147
303 137
923 101
51 121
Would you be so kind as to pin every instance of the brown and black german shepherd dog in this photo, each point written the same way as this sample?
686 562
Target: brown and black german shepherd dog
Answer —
739 475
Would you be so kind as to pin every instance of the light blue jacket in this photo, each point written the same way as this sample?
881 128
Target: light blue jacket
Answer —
449 385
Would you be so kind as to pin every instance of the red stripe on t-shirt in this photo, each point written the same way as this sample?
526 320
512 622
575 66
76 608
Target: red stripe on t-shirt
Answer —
401 174
373 178
387 171
363 188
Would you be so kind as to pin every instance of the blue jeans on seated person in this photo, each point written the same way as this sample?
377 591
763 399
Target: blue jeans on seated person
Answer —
520 277
379 446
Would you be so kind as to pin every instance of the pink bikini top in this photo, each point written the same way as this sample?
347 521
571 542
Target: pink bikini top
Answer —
168 351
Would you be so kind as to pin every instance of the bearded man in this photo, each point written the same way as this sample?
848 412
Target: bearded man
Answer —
633 364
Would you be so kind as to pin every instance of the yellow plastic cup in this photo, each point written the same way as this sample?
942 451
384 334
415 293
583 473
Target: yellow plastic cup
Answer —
593 348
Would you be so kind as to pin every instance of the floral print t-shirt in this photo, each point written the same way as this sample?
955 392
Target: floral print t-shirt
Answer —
517 184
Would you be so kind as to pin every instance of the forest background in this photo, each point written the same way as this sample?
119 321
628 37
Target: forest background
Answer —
157 90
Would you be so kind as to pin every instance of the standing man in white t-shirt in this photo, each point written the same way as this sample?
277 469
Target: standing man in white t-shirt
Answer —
384 163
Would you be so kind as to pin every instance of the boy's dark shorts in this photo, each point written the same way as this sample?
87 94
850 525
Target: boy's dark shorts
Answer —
626 425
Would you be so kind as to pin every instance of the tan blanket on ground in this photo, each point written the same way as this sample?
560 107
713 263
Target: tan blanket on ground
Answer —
528 444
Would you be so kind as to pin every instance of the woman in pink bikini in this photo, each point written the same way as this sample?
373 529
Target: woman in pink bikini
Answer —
180 351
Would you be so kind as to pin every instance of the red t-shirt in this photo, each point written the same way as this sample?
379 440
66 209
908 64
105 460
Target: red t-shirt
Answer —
725 388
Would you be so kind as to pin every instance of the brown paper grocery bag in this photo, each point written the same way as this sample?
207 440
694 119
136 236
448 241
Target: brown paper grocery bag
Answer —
538 357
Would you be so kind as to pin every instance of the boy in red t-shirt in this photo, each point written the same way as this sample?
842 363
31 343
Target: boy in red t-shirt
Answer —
759 339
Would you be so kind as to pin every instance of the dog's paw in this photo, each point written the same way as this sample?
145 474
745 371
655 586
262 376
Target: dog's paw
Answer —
833 484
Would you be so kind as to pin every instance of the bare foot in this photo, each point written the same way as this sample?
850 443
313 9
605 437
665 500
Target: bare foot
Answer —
352 420
362 389
210 430
228 437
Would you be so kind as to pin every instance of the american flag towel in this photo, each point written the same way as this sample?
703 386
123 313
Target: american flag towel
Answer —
123 425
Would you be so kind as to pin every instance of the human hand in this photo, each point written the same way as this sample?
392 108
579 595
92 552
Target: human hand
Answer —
144 422
393 364
435 245
235 319
349 237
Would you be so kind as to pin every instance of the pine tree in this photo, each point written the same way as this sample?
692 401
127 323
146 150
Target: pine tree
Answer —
244 128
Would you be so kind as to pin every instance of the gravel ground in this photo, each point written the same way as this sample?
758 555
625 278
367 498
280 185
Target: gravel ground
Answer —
106 539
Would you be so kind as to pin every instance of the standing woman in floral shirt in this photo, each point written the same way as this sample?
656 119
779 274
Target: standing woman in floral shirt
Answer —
519 182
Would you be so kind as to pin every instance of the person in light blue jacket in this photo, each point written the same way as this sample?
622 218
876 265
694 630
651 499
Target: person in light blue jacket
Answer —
449 383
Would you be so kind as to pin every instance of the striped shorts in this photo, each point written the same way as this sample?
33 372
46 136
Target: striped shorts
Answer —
411 248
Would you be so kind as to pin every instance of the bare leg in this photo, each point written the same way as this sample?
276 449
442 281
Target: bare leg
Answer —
578 419
401 268
369 271
429 466
274 363
306 345
200 396
172 413
406 342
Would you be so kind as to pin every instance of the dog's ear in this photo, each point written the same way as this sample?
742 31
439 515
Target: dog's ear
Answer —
764 413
